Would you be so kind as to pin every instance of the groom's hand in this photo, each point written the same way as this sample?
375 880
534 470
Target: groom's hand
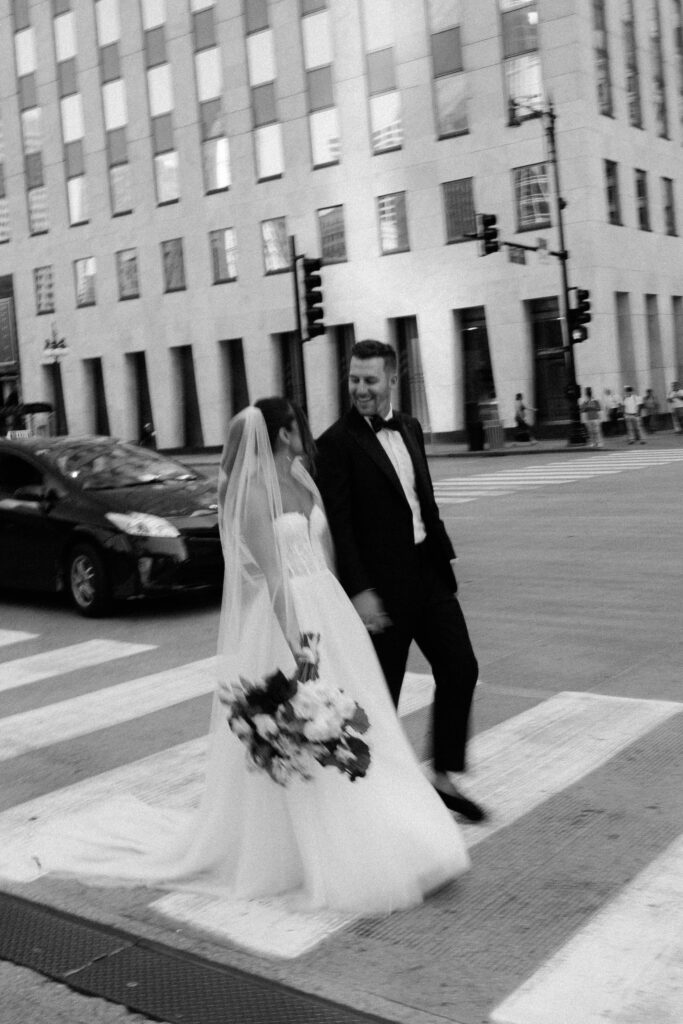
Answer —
371 610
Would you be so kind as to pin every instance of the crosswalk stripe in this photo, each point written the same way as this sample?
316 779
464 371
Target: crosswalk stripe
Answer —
36 667
509 779
66 720
528 758
113 705
637 941
171 776
15 636
518 764
454 490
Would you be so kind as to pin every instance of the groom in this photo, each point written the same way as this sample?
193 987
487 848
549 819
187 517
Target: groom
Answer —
394 555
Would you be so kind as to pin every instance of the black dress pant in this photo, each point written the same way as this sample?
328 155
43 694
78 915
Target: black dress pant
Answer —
434 620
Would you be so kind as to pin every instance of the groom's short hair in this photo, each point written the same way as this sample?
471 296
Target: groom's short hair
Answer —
371 349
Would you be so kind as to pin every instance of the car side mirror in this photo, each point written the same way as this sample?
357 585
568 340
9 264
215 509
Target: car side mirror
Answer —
30 492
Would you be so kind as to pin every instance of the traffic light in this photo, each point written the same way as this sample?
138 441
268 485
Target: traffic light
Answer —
580 316
313 297
488 233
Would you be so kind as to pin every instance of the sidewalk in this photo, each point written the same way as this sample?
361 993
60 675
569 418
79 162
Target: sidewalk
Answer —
453 450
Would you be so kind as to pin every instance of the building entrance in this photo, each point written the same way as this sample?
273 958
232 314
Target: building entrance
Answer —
550 369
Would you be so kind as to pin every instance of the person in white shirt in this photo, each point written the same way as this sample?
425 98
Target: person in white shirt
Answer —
675 401
590 411
632 404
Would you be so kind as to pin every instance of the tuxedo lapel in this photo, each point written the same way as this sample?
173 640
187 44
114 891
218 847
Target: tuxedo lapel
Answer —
421 480
365 437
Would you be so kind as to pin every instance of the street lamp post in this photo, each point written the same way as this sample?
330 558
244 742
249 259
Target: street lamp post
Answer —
549 116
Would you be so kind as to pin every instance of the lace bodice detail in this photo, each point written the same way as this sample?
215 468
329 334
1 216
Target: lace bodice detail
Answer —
301 541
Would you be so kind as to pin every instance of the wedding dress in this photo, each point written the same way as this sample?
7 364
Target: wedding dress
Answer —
371 846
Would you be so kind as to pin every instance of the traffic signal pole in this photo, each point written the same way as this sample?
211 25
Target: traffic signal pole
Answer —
297 310
575 430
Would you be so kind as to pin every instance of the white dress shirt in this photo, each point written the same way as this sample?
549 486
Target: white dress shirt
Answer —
395 447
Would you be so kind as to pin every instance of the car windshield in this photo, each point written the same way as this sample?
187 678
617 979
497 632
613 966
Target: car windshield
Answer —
102 466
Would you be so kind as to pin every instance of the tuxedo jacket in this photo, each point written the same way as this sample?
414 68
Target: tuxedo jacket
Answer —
369 516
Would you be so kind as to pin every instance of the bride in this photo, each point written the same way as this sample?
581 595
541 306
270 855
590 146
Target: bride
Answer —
371 846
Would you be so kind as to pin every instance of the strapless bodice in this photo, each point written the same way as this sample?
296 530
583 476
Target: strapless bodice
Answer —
301 541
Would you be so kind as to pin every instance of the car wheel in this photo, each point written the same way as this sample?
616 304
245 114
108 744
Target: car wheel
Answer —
87 581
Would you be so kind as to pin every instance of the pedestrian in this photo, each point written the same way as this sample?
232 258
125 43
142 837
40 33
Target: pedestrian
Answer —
394 555
649 412
148 437
632 405
613 409
524 432
280 818
675 403
591 411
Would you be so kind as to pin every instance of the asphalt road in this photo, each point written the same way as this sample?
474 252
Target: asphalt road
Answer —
569 575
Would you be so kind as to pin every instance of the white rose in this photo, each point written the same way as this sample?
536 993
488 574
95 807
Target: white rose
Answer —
240 727
325 726
265 726
304 703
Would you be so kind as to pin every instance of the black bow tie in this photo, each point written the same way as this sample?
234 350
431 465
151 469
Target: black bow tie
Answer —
378 423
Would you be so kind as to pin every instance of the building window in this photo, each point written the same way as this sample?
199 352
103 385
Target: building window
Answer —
677 43
45 297
84 271
276 257
120 189
601 55
108 24
115 105
393 224
39 222
5 234
669 206
449 89
77 195
657 64
127 273
635 116
323 120
209 74
223 255
385 102
531 197
166 172
642 203
612 192
522 62
174 266
325 140
269 154
332 234
216 164
461 218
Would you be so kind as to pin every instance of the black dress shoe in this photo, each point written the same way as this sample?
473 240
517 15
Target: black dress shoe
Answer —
461 805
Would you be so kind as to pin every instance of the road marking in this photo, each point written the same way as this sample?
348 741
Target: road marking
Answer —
88 654
15 636
531 757
518 765
624 966
454 490
112 705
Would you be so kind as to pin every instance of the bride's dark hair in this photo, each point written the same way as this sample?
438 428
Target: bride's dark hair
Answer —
279 412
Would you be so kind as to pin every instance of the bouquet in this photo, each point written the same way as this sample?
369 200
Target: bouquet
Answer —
290 724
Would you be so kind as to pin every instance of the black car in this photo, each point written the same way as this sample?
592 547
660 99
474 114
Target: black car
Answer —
102 520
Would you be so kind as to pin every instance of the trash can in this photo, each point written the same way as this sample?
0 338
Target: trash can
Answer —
494 434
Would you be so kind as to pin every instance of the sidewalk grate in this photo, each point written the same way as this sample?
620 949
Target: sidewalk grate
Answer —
157 981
